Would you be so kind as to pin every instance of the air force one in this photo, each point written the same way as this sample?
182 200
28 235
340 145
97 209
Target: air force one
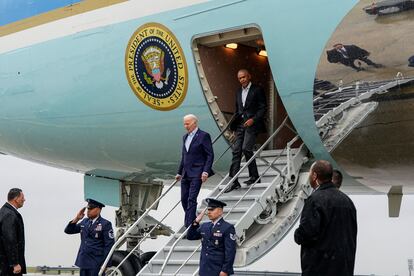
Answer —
100 87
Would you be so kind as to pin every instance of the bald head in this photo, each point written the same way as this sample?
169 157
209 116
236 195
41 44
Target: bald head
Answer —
244 77
320 172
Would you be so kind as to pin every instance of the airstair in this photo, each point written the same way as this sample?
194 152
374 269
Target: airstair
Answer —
262 213
338 112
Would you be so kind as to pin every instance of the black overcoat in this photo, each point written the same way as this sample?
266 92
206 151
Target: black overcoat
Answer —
327 233
12 240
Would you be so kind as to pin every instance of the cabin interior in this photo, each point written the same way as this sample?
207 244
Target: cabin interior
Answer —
219 57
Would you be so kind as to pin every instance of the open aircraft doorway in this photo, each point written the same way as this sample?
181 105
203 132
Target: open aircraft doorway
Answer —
219 57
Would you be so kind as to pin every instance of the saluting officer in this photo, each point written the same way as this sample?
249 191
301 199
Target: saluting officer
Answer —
218 241
97 238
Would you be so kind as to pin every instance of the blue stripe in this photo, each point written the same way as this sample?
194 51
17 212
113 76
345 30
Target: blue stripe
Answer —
15 10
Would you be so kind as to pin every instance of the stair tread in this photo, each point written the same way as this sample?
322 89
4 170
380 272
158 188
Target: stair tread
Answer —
248 205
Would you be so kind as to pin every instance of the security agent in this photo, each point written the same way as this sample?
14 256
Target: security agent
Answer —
218 241
97 238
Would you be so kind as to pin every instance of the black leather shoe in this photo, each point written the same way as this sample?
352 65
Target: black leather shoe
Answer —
235 186
251 181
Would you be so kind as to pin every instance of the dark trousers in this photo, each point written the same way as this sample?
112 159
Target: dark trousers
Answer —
89 272
351 62
245 141
190 187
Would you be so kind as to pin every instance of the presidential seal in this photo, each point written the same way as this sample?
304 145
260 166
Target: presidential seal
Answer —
156 68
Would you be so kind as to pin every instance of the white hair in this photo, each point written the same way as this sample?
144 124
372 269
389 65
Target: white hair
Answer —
191 116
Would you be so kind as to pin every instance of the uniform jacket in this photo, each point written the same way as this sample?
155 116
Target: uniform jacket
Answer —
96 241
218 247
254 108
352 51
12 239
199 157
327 233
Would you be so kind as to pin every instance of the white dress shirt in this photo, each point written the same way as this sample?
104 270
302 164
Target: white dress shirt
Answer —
245 91
190 138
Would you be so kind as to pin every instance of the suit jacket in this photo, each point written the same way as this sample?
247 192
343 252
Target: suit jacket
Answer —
327 233
352 51
218 246
199 157
96 241
12 240
254 108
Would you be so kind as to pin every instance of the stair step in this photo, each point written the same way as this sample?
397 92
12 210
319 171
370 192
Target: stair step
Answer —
263 168
232 197
235 210
280 161
182 248
171 268
175 262
242 216
273 153
179 255
244 187
270 173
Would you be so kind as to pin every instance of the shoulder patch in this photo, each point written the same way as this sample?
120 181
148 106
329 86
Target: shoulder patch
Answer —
111 234
233 236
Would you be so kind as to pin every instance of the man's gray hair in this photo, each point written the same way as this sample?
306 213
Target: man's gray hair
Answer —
191 116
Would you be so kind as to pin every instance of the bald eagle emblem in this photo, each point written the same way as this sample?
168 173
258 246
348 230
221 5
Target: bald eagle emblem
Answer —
153 59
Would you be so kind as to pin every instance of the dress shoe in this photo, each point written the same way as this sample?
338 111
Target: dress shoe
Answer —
251 181
234 186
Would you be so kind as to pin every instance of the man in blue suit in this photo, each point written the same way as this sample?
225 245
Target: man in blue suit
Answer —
97 238
218 240
195 167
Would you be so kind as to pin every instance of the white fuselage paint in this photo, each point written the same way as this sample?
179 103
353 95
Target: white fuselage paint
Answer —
90 20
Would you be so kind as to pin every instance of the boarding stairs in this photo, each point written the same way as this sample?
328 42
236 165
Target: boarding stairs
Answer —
262 213
338 112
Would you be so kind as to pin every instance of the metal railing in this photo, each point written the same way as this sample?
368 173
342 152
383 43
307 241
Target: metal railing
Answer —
226 187
121 239
286 168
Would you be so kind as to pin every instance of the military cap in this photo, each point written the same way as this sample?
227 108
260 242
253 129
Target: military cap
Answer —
93 203
214 203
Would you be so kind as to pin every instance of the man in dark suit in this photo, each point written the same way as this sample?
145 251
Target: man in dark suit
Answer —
327 231
195 167
347 54
218 240
12 260
97 238
248 122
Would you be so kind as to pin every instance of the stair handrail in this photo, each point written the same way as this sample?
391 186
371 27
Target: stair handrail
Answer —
122 238
225 128
244 195
144 238
129 230
227 186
